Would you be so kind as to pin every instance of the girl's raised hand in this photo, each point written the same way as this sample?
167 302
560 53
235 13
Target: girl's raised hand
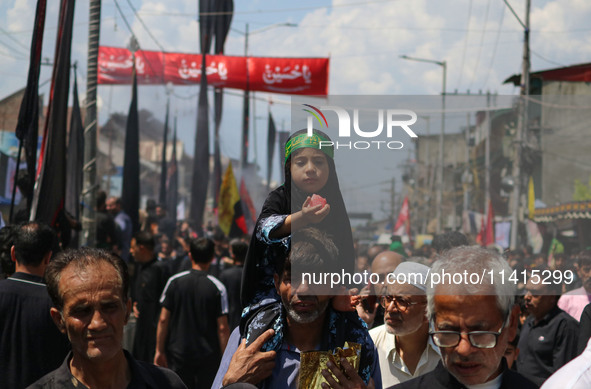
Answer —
314 214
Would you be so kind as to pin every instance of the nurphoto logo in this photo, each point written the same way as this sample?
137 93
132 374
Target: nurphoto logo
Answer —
394 119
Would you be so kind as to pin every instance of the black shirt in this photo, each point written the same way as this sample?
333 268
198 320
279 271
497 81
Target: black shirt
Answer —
232 277
195 300
547 346
440 378
149 280
30 343
143 375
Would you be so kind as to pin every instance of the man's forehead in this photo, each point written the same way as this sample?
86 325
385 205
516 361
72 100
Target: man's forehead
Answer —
404 289
96 276
469 308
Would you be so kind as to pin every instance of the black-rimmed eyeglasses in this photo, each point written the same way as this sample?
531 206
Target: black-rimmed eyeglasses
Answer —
400 303
478 339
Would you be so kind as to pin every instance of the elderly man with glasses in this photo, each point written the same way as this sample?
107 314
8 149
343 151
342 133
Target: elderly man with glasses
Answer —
470 306
404 348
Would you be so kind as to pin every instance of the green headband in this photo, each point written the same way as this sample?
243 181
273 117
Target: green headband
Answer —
313 142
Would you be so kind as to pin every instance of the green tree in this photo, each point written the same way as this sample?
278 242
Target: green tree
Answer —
582 191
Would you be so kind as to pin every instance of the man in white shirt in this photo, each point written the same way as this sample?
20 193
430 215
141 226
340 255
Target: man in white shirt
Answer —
404 347
574 375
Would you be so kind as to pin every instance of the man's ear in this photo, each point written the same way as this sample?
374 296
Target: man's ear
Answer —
58 319
128 308
47 257
276 280
12 254
513 322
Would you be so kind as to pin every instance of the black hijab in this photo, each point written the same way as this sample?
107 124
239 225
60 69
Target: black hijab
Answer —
287 199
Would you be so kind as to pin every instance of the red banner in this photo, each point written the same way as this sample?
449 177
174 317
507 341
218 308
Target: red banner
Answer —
302 76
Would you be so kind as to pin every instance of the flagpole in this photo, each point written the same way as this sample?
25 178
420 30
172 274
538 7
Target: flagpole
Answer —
90 126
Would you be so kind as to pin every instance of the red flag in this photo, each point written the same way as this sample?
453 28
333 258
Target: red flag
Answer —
489 238
402 226
486 235
247 206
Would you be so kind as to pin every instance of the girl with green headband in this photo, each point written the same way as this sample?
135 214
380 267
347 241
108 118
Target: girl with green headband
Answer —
309 169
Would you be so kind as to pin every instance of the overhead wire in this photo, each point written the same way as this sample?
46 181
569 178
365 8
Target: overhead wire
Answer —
465 44
145 27
481 44
494 52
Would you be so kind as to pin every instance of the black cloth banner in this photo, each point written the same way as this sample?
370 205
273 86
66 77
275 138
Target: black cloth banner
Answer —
130 191
27 128
163 168
271 139
50 187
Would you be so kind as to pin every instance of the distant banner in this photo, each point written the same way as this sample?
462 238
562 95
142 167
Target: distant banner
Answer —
301 76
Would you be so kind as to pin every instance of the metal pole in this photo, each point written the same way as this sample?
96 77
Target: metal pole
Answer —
441 136
246 110
465 182
427 193
521 132
90 126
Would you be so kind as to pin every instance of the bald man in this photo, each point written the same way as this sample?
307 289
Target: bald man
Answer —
383 264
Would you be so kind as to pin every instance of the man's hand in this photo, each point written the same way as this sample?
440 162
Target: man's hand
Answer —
347 380
250 364
136 311
160 359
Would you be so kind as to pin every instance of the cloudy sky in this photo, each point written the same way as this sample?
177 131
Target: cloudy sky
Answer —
481 41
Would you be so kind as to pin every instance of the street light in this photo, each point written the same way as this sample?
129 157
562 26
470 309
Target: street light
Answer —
246 106
443 64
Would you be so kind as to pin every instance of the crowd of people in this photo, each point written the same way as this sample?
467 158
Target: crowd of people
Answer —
171 306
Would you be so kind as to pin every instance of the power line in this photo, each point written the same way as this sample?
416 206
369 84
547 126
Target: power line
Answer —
480 46
145 27
465 44
13 39
494 53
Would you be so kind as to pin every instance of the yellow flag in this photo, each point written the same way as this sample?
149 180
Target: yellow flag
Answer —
229 197
531 198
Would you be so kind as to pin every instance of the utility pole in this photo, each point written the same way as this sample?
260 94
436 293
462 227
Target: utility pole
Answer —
466 175
521 131
440 180
487 158
90 127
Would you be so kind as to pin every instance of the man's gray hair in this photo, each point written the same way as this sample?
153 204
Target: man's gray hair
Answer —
487 273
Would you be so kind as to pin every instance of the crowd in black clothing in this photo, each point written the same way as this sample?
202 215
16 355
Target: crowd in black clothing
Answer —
161 251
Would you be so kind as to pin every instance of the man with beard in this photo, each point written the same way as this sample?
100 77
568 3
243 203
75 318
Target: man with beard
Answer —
575 301
304 321
404 348
472 322
549 336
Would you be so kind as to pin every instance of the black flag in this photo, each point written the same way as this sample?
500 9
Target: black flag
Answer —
130 192
163 168
201 173
172 184
75 160
271 139
283 136
27 128
50 187
221 28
